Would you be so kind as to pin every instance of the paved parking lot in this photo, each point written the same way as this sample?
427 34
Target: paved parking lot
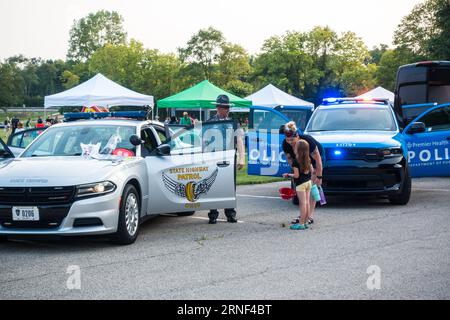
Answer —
259 258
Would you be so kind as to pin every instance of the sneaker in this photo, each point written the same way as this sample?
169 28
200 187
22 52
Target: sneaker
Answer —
232 220
310 221
295 221
299 227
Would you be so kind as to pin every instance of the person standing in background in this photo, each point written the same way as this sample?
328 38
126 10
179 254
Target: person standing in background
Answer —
223 109
186 120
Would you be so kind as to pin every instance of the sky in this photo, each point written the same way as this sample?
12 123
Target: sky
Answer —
40 28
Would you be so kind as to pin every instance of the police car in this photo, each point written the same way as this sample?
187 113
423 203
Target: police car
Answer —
365 153
107 176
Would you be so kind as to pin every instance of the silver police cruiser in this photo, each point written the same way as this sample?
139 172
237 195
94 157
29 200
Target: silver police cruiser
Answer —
107 176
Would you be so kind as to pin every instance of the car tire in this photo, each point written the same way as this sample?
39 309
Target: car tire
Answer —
3 238
129 217
185 214
404 196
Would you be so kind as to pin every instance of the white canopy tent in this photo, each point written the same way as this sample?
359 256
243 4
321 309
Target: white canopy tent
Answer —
271 97
378 92
98 91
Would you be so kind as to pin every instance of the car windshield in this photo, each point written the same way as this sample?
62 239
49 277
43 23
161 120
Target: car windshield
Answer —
78 140
352 118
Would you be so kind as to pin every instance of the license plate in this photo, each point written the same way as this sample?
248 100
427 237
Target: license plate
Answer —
25 214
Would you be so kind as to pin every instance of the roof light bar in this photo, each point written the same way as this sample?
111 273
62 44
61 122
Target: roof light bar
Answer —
73 116
329 101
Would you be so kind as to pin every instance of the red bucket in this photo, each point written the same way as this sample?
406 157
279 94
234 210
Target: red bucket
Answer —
287 193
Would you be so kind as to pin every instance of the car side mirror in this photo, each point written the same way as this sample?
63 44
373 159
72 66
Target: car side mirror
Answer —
135 140
163 150
417 127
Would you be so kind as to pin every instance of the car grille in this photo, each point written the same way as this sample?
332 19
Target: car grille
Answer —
36 195
50 217
367 154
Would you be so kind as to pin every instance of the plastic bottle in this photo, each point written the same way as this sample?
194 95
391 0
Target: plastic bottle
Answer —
323 201
315 192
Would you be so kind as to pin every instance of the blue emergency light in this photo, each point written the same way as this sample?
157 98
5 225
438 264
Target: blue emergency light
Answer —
73 116
328 101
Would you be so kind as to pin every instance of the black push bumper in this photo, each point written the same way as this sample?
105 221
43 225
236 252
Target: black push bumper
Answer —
361 177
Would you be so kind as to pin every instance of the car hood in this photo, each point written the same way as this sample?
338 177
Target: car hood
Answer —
368 139
55 171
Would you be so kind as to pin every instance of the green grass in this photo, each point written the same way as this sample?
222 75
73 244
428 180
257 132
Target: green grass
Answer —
244 179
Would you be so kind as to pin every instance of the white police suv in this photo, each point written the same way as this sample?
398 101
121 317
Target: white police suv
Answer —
365 153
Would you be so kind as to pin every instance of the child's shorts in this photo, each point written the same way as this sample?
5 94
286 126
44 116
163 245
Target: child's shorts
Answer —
306 186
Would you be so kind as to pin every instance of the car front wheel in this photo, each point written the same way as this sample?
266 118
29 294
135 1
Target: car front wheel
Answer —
403 198
3 239
129 217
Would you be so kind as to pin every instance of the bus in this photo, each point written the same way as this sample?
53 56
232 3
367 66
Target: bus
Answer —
419 87
422 103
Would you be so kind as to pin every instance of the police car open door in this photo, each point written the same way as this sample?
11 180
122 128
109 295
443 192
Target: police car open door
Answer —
428 141
199 173
264 143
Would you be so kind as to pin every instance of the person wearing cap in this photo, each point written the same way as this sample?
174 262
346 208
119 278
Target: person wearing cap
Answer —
223 110
315 149
186 120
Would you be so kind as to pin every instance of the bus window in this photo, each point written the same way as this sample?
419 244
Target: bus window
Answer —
439 94
420 86
413 94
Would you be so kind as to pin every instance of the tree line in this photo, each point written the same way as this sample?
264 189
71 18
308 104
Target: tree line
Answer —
312 64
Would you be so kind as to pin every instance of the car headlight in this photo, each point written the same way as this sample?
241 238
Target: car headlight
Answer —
392 152
95 189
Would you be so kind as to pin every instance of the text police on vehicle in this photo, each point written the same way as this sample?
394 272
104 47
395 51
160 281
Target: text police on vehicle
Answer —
106 176
364 150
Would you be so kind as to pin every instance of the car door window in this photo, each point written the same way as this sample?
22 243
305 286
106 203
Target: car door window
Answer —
206 137
16 140
267 120
150 142
161 133
437 120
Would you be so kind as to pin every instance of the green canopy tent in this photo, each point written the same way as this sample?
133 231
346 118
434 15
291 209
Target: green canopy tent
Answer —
200 96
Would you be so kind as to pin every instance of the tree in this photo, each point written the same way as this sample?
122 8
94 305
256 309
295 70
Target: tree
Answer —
377 52
94 31
120 63
321 44
233 64
161 74
390 61
204 49
315 64
69 79
440 45
140 69
284 63
425 31
354 73
11 86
